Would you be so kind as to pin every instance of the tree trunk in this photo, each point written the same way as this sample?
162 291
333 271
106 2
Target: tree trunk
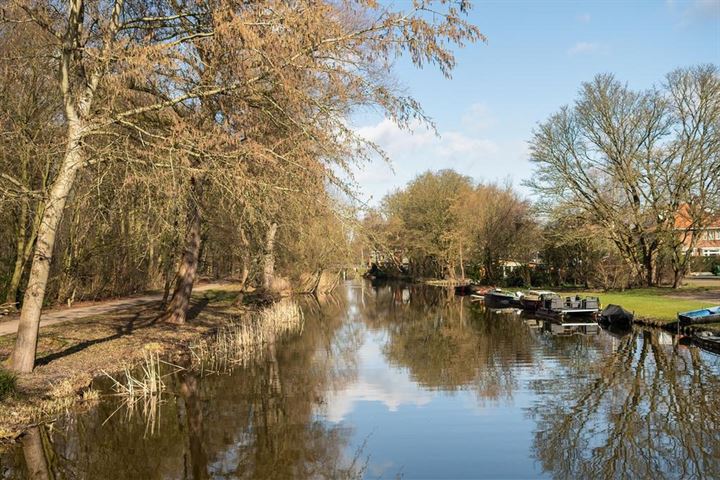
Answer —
22 359
269 256
245 273
166 290
678 275
185 279
649 267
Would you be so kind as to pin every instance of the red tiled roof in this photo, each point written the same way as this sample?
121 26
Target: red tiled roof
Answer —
683 220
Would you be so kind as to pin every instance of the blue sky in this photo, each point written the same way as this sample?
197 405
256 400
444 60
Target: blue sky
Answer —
537 55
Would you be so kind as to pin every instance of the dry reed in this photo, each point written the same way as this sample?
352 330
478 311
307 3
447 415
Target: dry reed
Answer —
142 388
238 343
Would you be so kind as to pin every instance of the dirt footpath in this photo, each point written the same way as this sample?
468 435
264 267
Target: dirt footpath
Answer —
9 324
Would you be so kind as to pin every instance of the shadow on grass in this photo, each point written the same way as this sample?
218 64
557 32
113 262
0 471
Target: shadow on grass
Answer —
141 319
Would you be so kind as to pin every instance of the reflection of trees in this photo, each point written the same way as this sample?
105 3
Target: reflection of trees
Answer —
286 391
604 407
258 422
446 343
647 411
189 392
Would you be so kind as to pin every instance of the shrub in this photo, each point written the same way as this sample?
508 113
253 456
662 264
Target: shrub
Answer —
7 383
705 264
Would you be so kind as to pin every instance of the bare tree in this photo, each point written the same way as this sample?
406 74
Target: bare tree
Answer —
626 160
202 86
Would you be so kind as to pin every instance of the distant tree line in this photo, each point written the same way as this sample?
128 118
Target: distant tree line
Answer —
447 226
624 184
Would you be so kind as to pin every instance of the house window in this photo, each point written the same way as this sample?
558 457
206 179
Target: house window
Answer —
710 252
710 235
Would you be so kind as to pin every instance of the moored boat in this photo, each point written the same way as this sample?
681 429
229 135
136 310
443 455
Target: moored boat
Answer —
616 316
558 308
703 315
501 299
708 340
532 300
471 289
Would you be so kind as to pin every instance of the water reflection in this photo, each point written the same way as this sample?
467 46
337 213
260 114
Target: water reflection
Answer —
447 343
649 410
407 380
258 422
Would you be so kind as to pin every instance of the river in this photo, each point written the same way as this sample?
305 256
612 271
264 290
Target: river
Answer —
407 381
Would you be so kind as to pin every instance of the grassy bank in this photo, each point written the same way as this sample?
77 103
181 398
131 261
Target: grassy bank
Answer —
661 304
72 354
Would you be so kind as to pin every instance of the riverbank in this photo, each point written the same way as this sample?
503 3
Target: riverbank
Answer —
654 307
71 355
660 304
658 307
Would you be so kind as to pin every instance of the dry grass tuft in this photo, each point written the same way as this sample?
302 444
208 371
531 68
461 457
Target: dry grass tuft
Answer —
90 395
142 387
146 383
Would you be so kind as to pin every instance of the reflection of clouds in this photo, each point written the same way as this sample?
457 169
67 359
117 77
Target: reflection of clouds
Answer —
376 382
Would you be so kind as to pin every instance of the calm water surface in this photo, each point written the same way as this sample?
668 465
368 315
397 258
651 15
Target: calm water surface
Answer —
401 381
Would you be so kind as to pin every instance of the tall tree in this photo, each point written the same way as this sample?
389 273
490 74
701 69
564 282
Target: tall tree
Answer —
426 221
627 160
148 73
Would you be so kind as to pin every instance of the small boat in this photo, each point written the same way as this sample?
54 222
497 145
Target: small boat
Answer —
703 315
506 310
559 308
708 340
501 299
481 291
532 300
616 316
470 289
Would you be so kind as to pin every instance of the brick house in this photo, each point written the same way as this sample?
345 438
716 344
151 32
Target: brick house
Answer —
708 241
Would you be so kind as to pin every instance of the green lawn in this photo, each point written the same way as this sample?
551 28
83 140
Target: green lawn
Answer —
655 303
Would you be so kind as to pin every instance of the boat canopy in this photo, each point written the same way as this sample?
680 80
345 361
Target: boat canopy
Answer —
617 313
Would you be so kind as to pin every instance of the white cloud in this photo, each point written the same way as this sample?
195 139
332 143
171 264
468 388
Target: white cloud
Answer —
478 117
392 138
582 48
584 18
695 11
418 150
480 146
